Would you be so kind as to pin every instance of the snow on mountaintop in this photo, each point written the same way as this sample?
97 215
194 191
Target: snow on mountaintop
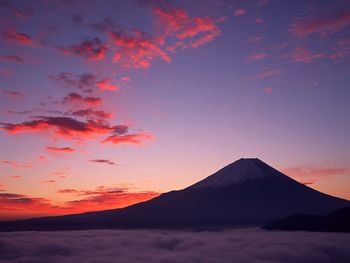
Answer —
242 170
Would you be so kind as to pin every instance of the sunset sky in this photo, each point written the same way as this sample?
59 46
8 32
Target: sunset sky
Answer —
107 103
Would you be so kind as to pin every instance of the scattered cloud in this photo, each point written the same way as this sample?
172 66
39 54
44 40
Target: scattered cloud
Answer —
50 181
11 93
304 171
83 200
77 99
72 129
136 139
301 54
6 72
257 56
90 113
332 23
268 73
92 49
12 59
14 164
63 126
136 49
85 82
106 85
240 12
268 90
59 149
12 35
105 161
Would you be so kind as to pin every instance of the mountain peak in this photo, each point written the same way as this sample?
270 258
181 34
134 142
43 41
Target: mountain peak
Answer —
242 170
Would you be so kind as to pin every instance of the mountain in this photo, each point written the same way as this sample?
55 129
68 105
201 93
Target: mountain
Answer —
246 192
337 221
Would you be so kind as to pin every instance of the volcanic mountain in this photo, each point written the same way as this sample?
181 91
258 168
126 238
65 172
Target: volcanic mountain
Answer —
246 192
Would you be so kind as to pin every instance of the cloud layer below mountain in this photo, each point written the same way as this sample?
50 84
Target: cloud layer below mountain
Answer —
129 246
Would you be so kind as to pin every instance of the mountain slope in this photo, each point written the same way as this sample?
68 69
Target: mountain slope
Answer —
246 192
337 221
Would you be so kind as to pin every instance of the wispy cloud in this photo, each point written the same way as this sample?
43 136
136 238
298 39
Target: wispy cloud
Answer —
12 35
104 161
332 23
59 149
268 73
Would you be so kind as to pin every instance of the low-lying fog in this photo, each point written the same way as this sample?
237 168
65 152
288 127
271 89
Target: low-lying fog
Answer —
237 245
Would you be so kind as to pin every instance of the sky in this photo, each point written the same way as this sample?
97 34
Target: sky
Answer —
104 104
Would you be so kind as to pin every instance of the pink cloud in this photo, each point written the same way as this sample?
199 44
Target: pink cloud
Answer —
301 54
313 174
75 98
91 113
105 161
59 149
106 85
136 139
11 93
12 35
12 58
240 12
257 56
268 90
14 164
331 23
268 73
136 50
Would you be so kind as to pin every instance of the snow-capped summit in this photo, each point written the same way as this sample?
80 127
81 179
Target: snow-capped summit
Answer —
246 192
242 170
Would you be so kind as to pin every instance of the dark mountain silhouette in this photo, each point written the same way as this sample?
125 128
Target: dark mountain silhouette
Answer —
246 192
337 221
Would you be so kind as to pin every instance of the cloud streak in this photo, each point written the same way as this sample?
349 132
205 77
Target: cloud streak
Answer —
332 23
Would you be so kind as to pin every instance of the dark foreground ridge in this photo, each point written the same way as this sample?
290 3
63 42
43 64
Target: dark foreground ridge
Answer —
244 193
337 221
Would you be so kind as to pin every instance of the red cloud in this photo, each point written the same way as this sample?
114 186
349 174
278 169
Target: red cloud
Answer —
135 50
11 35
69 128
103 161
331 23
59 149
268 73
91 113
16 176
176 22
129 138
90 49
11 93
240 12
106 85
106 198
18 202
257 56
76 98
85 82
16 165
101 198
66 127
12 58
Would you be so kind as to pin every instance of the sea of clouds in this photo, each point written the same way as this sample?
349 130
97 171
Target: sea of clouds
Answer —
131 246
